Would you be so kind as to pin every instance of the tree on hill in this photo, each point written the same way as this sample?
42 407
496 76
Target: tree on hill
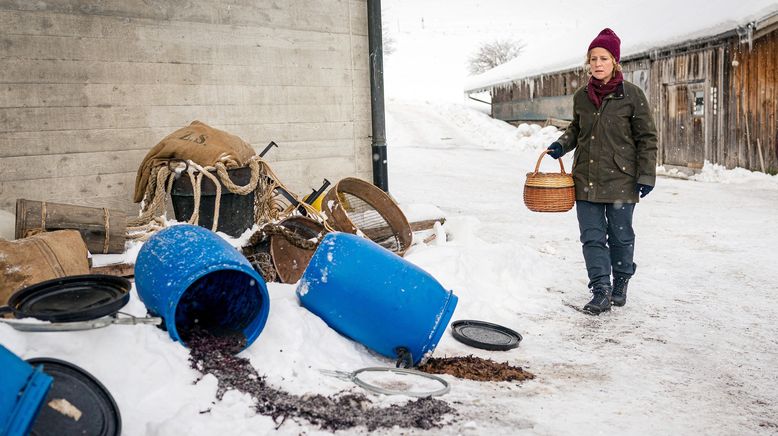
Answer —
493 53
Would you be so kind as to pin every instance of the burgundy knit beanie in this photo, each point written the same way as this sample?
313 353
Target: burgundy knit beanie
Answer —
608 40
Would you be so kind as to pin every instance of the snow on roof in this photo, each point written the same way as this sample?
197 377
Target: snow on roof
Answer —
711 19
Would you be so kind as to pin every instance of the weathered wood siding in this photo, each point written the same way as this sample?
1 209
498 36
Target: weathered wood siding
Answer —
752 104
714 100
681 96
538 98
87 88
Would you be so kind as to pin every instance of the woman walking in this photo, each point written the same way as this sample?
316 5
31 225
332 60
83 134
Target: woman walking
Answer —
615 143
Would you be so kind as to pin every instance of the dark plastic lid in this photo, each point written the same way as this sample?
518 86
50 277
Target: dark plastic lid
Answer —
84 398
74 298
485 335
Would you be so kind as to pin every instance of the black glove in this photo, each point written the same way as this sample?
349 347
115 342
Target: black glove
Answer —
643 189
555 150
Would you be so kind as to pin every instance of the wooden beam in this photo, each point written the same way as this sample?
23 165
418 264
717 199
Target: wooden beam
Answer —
114 269
418 226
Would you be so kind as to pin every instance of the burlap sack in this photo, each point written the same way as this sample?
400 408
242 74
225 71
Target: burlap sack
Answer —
44 256
197 142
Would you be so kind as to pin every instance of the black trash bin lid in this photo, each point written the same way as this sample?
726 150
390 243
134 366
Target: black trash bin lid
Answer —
485 335
79 395
74 298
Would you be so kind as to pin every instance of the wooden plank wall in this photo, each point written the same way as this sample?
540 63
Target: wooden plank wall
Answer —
753 100
87 88
685 70
735 95
546 85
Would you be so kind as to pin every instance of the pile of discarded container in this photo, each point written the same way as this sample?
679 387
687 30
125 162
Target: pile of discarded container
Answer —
343 248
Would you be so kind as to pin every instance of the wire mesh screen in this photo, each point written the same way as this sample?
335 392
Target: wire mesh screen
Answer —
370 222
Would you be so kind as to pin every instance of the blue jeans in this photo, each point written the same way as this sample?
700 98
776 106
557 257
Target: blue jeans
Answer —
608 239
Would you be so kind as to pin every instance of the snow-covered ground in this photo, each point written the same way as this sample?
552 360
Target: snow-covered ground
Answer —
693 352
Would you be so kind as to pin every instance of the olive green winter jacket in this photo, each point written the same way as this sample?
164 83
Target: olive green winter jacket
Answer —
615 146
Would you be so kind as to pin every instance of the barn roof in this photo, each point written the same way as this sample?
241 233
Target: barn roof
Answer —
749 24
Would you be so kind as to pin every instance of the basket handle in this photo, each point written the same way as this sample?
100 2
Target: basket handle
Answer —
540 159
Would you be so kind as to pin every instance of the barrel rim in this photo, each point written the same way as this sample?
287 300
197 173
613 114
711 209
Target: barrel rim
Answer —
264 309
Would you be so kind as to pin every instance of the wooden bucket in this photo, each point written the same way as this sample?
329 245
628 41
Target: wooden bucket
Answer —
103 229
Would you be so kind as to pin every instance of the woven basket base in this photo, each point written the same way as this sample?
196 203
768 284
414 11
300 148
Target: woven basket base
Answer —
549 199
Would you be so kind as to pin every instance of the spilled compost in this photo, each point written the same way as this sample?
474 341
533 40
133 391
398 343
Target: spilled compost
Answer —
214 355
475 368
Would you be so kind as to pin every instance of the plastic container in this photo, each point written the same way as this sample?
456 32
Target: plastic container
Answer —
236 212
375 297
22 391
196 281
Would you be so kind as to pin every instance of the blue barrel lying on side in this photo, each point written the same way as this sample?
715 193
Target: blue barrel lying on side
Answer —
198 283
22 391
375 297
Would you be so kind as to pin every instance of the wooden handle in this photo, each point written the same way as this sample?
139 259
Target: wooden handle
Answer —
540 159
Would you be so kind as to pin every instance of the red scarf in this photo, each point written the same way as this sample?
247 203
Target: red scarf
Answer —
598 90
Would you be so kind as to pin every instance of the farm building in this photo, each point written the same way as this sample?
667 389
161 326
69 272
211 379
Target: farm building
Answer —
714 96
88 87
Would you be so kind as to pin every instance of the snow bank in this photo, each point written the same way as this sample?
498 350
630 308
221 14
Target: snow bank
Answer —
715 173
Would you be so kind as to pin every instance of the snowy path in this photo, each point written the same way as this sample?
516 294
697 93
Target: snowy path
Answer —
693 352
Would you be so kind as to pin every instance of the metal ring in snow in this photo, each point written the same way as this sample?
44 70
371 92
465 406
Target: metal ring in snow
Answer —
377 389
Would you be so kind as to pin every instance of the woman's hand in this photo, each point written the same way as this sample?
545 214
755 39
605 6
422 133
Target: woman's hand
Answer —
643 189
555 150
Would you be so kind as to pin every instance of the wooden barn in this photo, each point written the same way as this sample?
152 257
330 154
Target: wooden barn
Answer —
88 87
714 97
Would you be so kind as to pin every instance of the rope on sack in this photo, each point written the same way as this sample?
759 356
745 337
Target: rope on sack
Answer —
195 181
154 198
150 220
197 188
287 210
268 208
292 237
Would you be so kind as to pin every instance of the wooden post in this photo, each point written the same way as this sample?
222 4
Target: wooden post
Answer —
748 139
761 156
102 229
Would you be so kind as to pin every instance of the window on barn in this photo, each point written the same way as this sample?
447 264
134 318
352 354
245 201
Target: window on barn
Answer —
698 110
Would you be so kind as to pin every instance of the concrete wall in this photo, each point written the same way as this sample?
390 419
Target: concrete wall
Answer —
87 87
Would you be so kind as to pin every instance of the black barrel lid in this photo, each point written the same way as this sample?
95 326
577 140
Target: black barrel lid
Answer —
485 335
73 298
75 394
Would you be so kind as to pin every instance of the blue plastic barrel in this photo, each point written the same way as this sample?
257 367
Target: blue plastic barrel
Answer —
22 391
196 281
375 297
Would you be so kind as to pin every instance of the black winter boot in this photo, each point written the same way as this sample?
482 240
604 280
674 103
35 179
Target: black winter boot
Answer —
601 301
619 296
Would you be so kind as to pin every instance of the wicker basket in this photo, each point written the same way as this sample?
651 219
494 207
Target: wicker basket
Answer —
549 192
